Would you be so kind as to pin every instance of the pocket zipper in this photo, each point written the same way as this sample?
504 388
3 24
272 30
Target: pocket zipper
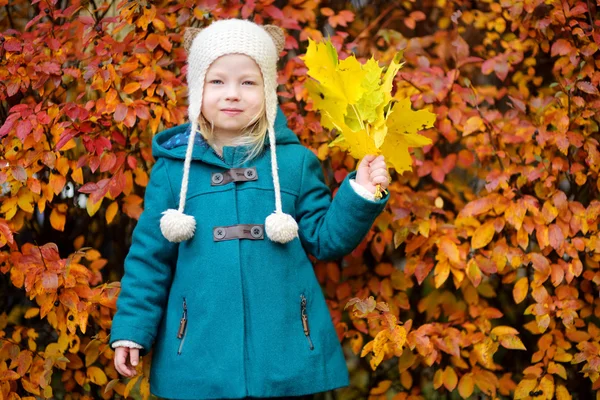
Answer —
305 321
182 327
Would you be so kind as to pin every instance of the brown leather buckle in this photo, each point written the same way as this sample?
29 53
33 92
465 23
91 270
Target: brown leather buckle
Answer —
241 231
233 175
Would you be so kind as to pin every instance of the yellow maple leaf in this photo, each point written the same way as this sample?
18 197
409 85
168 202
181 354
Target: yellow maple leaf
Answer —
402 124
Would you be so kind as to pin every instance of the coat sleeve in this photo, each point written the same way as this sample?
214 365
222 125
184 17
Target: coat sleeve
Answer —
330 229
148 268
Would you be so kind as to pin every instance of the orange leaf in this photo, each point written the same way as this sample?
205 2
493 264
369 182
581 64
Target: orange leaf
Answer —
483 235
466 386
442 270
555 236
111 211
473 124
449 249
450 378
474 273
382 388
520 290
57 220
406 379
57 182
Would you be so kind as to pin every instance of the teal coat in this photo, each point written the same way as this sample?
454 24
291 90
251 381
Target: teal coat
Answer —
244 334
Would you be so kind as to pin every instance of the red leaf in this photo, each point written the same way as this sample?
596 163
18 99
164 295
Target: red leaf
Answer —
120 112
587 87
561 47
422 270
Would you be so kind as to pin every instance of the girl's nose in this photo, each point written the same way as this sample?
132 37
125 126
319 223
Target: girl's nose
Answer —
232 93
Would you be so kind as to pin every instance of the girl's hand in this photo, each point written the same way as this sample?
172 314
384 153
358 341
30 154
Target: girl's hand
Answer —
121 362
371 171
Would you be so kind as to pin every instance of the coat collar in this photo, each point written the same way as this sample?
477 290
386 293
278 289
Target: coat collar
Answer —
172 143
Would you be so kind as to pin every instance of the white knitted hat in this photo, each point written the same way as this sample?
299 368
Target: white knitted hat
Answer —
204 46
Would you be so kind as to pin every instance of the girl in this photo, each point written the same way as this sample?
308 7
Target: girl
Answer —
230 304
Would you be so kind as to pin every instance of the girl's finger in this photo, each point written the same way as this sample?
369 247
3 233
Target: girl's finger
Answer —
134 355
377 163
367 159
381 180
378 172
120 357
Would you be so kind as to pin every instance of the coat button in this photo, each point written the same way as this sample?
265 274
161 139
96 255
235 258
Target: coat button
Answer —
219 233
249 173
256 231
217 178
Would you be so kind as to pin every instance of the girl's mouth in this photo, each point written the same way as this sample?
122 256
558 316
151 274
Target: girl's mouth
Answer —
231 111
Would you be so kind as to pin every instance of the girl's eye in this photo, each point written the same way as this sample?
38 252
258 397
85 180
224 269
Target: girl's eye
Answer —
216 81
248 83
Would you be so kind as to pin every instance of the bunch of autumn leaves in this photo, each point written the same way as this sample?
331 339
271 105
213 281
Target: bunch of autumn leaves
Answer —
356 101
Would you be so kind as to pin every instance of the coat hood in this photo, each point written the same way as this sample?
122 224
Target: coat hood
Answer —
172 142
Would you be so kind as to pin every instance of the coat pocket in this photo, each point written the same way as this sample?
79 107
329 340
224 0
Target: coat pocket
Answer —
182 331
304 318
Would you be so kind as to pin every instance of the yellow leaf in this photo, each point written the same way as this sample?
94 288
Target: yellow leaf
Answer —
438 379
388 77
323 151
8 207
520 290
25 201
473 272
92 208
130 385
524 387
111 385
504 330
403 124
145 388
450 378
512 342
562 393
32 312
466 386
547 385
367 349
543 321
97 376
473 124
557 369
483 235
356 343
111 211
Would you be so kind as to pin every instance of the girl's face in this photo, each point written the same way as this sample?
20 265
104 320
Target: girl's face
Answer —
233 94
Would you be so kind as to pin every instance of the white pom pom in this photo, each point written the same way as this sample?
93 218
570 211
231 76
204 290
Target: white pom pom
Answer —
177 226
281 228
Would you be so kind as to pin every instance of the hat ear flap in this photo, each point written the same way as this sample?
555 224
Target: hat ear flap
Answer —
277 35
188 37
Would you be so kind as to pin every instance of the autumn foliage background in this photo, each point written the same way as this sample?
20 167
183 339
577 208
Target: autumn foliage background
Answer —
484 270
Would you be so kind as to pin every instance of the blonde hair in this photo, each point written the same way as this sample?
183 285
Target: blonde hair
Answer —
252 138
